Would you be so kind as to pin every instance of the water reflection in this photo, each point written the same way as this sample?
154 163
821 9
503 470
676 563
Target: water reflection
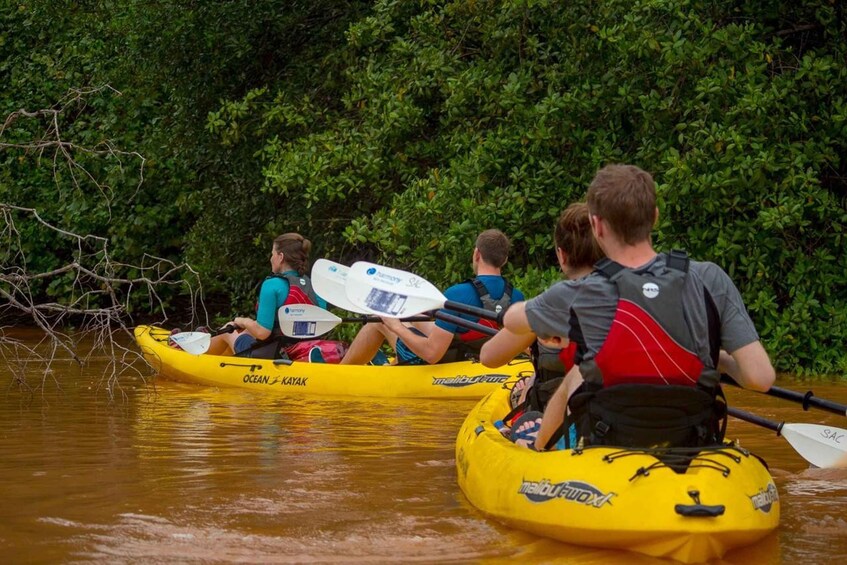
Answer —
200 474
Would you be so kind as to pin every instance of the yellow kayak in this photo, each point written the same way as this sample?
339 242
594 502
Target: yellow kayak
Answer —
615 497
465 379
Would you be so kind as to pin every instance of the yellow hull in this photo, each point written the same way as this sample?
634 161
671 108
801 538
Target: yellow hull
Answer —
615 498
448 380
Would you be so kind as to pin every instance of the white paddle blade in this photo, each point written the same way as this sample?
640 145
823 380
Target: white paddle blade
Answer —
822 446
329 280
390 292
306 320
196 343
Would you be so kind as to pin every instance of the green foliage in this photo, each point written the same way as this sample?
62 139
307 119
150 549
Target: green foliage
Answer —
168 65
397 130
459 116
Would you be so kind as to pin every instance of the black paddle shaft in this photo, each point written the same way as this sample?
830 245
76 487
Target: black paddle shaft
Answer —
229 328
472 310
754 419
370 319
807 399
467 324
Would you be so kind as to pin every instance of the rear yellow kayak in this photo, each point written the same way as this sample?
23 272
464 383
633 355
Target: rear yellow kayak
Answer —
449 380
614 497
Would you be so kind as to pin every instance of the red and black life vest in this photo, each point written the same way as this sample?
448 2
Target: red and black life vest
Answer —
646 386
468 343
300 291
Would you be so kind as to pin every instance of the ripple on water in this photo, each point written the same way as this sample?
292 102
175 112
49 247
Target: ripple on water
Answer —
156 540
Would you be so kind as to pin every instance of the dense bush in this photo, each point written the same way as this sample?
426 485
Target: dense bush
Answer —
168 64
459 116
396 130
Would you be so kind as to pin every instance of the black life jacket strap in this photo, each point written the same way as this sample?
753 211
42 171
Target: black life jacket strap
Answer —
482 290
607 267
714 321
294 280
678 260
559 433
520 407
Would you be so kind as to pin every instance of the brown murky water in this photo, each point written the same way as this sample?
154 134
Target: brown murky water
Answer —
189 474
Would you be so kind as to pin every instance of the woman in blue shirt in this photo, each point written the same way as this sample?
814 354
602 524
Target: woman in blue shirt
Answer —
287 284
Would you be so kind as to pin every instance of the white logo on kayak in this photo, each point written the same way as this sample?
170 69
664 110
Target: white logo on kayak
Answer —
574 491
763 500
464 380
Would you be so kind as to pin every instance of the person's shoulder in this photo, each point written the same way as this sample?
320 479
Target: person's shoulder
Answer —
460 286
570 286
712 277
706 270
518 295
461 292
591 280
274 282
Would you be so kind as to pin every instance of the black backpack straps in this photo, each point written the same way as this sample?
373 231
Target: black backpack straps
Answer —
678 259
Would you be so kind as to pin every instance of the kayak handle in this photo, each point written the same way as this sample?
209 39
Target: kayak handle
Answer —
700 510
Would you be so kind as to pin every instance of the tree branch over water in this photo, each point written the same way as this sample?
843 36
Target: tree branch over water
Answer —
74 290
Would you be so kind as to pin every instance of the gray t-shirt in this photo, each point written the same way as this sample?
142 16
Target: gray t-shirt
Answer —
593 301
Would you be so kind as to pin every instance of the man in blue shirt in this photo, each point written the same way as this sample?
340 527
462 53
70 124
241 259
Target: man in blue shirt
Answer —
441 341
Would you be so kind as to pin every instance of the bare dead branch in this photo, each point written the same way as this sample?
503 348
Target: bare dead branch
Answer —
97 308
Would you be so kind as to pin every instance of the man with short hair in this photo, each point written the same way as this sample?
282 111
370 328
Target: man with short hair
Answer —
428 342
641 318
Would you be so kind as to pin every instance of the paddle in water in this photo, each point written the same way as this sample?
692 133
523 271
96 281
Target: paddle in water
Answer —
394 293
822 446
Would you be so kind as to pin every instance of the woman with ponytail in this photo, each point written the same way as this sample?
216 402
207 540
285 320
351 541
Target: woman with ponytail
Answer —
288 283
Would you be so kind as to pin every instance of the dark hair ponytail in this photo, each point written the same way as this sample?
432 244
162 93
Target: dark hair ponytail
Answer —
296 249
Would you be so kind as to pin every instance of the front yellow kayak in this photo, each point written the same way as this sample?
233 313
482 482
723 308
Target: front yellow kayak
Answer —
448 380
614 497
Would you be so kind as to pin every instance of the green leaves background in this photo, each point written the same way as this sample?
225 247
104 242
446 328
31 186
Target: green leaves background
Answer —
395 131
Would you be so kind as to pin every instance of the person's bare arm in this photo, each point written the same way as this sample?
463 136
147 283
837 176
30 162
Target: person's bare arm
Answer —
431 348
749 366
554 413
515 319
503 347
253 327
